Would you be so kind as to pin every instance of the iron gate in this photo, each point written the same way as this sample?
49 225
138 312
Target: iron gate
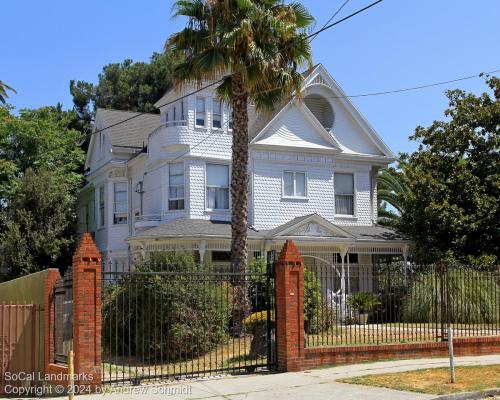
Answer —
170 318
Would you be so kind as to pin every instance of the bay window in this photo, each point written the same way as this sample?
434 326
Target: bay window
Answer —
176 186
120 203
217 187
294 184
344 193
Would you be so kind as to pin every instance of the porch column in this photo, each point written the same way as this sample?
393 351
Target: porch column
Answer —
343 253
202 250
406 248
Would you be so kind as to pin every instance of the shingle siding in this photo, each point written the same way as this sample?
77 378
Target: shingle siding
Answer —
271 209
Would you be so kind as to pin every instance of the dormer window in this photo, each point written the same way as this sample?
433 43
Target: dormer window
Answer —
200 111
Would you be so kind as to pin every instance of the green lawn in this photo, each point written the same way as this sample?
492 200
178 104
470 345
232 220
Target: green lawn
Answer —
435 380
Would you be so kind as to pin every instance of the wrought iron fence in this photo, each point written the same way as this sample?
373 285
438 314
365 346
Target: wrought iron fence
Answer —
398 303
170 318
63 318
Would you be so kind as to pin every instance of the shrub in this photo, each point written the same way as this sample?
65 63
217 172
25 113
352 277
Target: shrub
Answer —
257 318
472 297
363 301
318 315
192 312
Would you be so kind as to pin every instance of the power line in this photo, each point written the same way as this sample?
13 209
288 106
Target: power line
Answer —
332 17
479 75
311 36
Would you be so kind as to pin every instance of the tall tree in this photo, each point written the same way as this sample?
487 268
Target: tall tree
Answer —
40 160
259 45
3 91
129 86
454 179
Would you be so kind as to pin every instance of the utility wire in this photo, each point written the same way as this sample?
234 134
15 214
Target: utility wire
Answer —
311 36
332 17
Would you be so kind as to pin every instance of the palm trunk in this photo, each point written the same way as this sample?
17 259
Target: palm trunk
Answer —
239 177
239 196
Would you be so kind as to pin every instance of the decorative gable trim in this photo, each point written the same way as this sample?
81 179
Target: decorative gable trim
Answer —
308 117
313 226
321 76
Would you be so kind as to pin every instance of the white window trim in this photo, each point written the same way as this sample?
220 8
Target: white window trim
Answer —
221 114
113 209
218 210
168 188
99 219
196 112
283 195
355 205
228 117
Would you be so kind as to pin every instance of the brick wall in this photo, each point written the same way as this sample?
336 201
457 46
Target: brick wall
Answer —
294 356
86 270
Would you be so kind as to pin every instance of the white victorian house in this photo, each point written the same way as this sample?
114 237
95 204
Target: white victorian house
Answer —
160 182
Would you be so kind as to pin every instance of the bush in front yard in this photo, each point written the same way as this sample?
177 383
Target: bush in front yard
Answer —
473 297
169 317
318 314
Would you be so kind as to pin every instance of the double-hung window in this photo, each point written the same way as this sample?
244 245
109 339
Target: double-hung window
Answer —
216 114
176 186
294 184
344 194
230 118
120 203
102 207
200 111
217 187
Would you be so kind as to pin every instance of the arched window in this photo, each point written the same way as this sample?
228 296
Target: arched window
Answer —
321 109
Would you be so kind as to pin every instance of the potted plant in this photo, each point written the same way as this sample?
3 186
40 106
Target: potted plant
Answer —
363 302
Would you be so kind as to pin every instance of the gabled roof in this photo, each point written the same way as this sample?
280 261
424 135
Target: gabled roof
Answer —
312 225
264 121
321 138
133 132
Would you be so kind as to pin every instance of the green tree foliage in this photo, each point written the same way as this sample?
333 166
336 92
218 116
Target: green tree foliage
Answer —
392 191
37 226
454 179
129 86
262 44
471 297
3 91
40 160
318 315
193 312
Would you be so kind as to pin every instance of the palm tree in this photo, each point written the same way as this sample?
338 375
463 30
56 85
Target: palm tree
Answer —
260 45
392 191
3 91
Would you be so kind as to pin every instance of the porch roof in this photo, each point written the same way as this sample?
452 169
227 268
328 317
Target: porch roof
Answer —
307 226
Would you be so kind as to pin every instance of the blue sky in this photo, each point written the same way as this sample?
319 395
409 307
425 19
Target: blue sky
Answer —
398 43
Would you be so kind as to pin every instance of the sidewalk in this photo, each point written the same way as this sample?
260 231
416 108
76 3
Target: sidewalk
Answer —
314 384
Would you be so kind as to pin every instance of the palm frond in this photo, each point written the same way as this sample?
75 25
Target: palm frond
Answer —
3 91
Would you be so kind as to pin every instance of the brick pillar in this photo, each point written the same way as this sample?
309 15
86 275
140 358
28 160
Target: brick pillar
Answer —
290 308
87 310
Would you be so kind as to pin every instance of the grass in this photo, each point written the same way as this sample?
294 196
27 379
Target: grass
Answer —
393 333
231 356
435 380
